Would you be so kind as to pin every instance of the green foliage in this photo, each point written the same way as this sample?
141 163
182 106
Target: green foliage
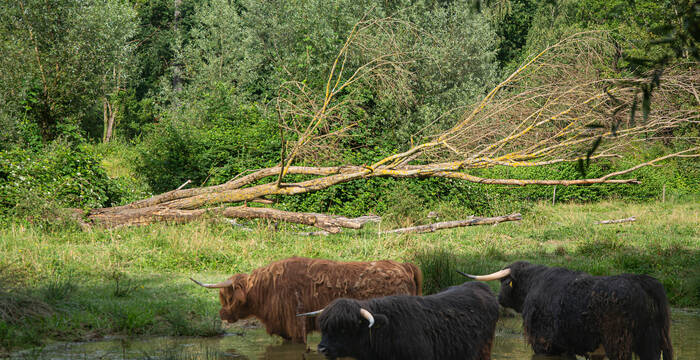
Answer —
35 183
159 41
245 51
403 202
61 57
237 138
513 27
438 269
171 155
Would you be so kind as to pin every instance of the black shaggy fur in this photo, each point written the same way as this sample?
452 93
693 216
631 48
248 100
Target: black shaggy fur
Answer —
569 312
458 323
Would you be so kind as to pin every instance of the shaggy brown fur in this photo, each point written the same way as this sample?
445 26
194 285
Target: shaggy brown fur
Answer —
277 292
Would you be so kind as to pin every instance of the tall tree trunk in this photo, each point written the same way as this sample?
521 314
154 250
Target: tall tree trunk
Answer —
177 70
109 112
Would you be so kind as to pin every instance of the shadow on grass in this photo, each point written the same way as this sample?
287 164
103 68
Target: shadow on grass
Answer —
72 309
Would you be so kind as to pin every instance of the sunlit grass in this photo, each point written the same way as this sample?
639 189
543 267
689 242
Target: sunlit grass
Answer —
79 270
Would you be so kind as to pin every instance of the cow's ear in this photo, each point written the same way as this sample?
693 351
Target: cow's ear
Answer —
380 320
239 293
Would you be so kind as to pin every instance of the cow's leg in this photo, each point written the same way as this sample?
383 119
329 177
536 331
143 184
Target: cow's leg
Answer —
617 350
299 338
648 349
648 345
485 353
651 355
542 346
617 338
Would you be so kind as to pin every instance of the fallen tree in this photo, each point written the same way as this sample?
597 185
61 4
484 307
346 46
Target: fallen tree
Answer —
617 221
455 223
565 104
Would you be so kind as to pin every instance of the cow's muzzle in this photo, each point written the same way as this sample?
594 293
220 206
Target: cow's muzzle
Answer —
325 351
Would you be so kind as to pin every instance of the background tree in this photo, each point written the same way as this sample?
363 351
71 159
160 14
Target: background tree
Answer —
62 60
239 54
553 109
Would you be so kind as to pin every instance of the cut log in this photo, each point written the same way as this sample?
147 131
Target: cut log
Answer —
456 223
629 219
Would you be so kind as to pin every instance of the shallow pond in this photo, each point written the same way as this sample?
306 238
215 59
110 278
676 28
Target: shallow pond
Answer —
256 344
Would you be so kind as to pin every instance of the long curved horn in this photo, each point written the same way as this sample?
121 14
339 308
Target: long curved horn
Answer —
367 315
222 284
495 276
313 313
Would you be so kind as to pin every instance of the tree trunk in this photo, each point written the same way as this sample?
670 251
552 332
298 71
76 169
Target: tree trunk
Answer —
177 70
109 113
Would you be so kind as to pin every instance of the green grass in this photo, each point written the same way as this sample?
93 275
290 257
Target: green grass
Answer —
135 280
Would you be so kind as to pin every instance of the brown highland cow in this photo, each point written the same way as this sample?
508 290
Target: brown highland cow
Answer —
277 292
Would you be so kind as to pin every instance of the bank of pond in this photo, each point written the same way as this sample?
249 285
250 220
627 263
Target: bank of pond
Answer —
253 343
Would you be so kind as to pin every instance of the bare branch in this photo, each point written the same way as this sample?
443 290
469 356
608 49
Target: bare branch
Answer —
457 223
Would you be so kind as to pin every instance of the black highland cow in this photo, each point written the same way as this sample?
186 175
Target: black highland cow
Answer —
458 323
569 312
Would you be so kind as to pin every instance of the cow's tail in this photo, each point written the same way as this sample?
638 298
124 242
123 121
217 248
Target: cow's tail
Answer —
662 316
417 277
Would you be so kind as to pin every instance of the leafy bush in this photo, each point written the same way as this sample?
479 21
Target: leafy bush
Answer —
234 139
60 175
171 154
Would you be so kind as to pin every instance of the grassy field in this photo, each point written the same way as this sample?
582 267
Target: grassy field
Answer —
81 285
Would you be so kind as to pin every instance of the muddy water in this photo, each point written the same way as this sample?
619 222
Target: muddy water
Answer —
256 344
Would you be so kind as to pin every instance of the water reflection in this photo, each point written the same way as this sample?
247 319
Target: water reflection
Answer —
547 357
256 344
290 352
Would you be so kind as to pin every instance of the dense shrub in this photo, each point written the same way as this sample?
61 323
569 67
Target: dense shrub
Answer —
234 139
61 174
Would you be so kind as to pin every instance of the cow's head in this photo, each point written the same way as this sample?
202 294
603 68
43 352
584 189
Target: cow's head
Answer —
346 329
515 283
233 294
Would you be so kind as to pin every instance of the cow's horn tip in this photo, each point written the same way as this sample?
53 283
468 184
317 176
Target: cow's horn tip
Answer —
467 275
313 313
197 282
